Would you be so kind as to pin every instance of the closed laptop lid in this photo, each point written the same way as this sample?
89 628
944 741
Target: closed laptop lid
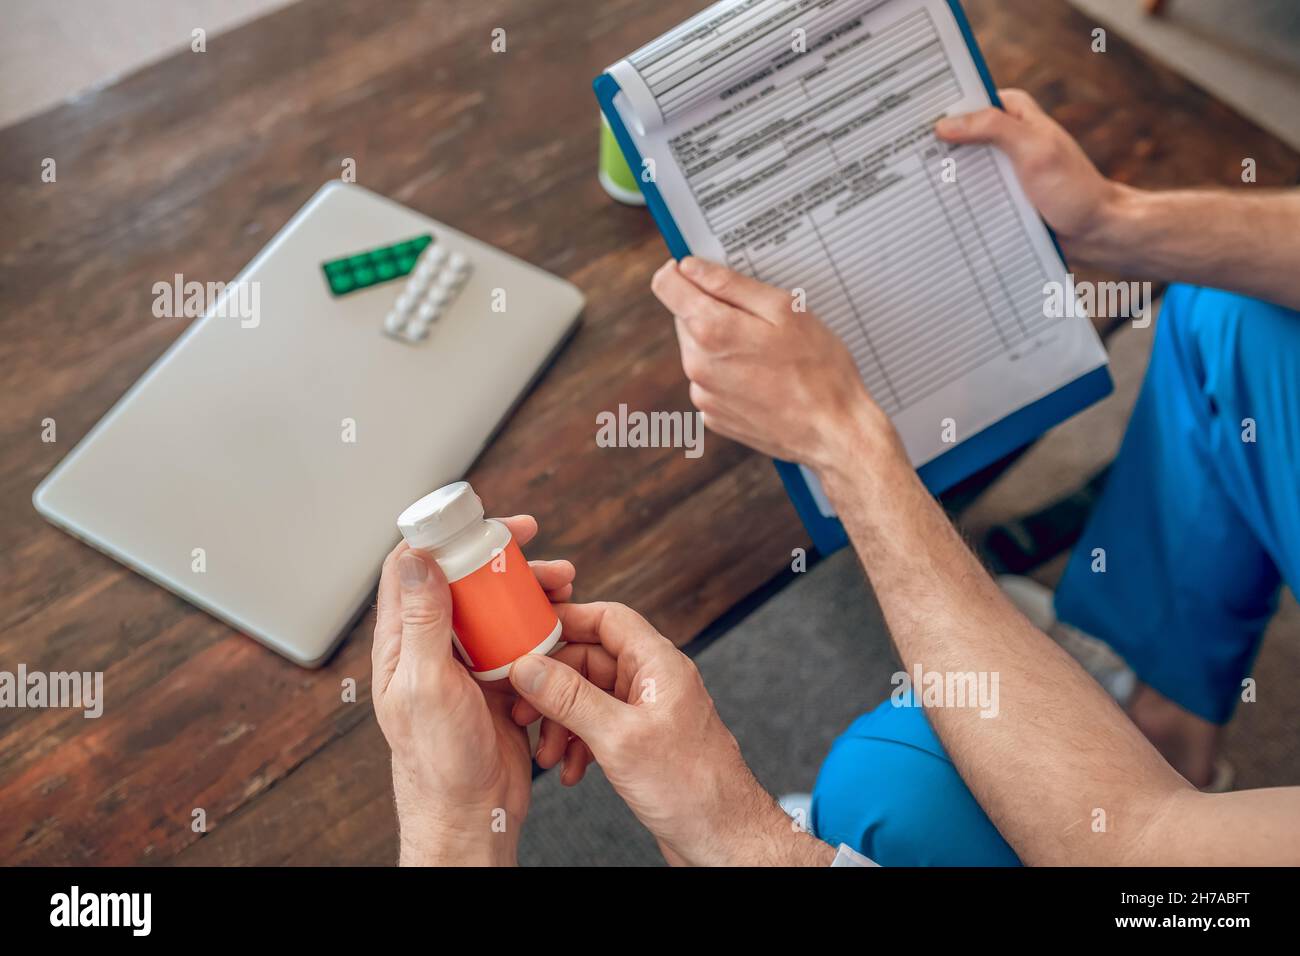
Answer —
257 469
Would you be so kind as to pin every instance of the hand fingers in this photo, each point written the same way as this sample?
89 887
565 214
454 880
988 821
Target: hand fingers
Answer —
425 609
552 739
718 371
568 698
615 627
626 635
523 528
714 324
705 402
1020 104
698 364
716 417
558 744
590 660
744 292
388 624
991 125
720 415
554 576
577 757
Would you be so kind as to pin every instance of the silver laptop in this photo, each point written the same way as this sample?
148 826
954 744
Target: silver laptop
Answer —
257 468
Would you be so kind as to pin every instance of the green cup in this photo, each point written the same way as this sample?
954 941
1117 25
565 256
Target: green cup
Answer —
615 174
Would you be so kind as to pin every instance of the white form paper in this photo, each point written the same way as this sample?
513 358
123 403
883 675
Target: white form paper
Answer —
819 170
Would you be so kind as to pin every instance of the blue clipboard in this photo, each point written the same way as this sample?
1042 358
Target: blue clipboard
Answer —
981 449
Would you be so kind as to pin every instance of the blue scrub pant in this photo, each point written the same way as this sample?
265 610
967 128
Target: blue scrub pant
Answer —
1198 528
888 790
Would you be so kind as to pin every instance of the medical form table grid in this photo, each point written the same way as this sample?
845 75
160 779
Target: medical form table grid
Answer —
851 192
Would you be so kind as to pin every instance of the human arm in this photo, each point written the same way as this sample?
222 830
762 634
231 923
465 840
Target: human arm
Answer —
1241 240
1059 748
641 707
1063 773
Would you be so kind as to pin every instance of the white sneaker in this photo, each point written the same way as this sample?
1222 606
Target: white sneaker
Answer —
1225 777
1095 656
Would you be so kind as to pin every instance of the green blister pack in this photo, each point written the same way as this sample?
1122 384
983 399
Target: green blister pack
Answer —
375 266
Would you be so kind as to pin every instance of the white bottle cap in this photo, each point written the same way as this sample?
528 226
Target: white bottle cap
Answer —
440 515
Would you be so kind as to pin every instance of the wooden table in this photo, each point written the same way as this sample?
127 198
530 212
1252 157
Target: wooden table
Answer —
189 166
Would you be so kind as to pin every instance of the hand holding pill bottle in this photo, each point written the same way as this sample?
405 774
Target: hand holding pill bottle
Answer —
499 612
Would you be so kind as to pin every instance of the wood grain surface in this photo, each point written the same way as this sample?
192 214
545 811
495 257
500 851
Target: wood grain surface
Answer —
190 166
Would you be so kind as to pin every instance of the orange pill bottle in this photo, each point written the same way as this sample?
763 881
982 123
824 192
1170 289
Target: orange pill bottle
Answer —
498 610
